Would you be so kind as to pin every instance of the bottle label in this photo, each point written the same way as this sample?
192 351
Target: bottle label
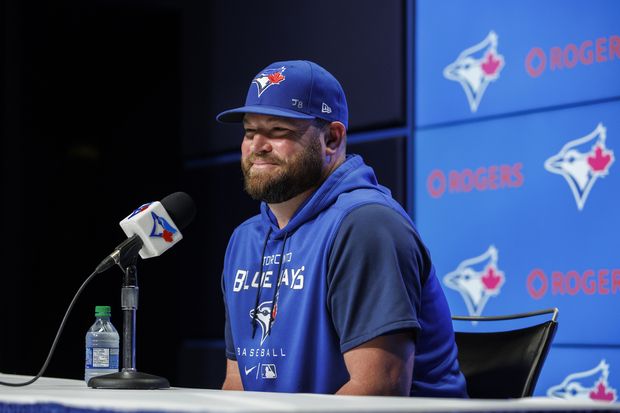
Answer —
101 358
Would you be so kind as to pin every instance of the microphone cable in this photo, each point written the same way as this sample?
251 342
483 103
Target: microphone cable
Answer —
62 326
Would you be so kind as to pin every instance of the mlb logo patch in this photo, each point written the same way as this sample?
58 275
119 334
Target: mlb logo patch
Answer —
268 371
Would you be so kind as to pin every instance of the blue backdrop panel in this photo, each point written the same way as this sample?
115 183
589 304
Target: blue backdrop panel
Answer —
480 58
581 373
520 213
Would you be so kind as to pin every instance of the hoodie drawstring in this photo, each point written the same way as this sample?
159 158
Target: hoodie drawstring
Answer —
260 284
274 299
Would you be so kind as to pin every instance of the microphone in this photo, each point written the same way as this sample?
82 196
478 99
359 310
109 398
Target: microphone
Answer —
152 229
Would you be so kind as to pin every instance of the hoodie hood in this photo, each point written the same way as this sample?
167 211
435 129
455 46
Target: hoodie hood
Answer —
353 174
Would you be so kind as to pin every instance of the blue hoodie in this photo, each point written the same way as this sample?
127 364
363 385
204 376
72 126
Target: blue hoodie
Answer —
351 268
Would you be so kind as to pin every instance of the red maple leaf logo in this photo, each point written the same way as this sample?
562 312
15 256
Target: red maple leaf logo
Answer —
276 77
167 236
490 65
600 160
492 278
602 394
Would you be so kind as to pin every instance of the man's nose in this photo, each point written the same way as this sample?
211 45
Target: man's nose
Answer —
261 143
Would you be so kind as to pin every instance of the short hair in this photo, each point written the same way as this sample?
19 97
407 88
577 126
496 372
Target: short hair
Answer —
321 123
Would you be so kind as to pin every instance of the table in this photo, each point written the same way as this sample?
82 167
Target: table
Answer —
54 395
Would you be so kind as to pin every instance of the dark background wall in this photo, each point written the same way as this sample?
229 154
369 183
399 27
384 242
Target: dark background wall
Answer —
110 104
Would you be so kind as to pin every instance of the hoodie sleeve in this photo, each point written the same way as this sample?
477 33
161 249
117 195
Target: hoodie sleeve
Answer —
376 268
230 345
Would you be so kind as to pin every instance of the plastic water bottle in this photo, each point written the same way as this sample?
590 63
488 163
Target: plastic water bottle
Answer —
102 345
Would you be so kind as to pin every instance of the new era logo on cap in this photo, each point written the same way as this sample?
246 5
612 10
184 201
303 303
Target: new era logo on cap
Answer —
297 89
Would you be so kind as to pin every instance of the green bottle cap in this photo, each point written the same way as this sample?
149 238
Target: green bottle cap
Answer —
103 311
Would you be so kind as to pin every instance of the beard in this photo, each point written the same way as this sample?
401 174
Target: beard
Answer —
292 177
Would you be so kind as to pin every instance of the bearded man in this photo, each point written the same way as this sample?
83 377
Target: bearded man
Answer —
329 289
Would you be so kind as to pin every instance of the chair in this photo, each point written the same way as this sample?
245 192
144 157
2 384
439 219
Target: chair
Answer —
504 364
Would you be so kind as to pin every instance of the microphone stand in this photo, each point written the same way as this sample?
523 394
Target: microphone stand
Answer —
129 377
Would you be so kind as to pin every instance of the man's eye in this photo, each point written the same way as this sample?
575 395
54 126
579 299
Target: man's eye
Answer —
281 131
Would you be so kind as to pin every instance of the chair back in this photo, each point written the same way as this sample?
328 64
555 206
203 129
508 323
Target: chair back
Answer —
504 364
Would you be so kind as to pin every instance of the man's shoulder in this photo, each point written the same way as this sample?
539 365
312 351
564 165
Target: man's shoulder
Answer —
245 234
364 197
249 224
379 230
377 214
252 221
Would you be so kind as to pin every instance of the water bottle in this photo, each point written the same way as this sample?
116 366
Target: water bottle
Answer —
101 345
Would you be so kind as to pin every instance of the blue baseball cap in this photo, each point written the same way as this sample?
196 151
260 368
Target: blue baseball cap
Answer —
297 89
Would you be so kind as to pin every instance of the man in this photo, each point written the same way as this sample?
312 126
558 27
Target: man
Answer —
329 289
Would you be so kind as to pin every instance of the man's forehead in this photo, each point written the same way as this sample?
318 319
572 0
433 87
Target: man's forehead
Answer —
253 118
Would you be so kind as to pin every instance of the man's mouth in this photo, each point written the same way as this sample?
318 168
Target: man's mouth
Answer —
263 163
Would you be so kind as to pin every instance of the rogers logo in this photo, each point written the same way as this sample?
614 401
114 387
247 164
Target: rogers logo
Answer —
589 282
484 178
588 52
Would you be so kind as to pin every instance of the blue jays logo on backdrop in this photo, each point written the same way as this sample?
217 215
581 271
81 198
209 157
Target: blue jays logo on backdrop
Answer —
477 279
263 315
581 162
475 68
586 385
269 78
162 228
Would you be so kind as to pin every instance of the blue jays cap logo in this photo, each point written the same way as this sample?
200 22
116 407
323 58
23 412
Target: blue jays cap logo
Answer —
475 68
269 78
162 228
477 279
581 162
586 385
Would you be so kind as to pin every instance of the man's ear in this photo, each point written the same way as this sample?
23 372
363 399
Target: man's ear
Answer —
335 138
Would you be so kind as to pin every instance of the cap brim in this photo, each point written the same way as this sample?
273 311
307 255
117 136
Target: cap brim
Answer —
236 115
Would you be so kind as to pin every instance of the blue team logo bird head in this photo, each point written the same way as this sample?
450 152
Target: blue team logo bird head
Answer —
475 68
263 316
139 209
477 279
162 228
581 162
269 78
586 385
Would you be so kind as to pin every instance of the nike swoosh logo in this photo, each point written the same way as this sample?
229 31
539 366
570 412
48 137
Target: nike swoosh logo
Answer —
248 371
